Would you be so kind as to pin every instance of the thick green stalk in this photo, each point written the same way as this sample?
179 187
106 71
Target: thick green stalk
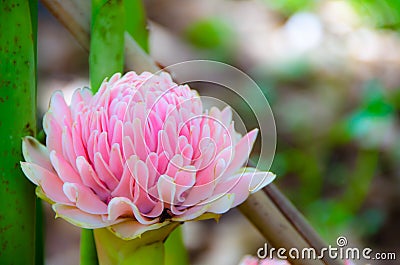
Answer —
17 119
146 249
175 250
88 248
106 55
136 24
39 231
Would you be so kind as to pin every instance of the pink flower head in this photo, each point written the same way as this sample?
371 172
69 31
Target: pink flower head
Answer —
249 260
139 154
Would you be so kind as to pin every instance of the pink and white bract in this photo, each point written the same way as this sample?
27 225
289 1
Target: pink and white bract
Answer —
249 260
139 154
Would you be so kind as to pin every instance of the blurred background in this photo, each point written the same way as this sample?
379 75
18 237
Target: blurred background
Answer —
331 73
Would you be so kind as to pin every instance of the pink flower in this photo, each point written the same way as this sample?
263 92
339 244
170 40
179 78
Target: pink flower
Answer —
249 260
139 154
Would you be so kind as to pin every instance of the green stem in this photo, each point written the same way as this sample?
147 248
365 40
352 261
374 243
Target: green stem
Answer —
175 250
106 55
146 249
88 248
17 119
39 239
75 15
136 24
146 255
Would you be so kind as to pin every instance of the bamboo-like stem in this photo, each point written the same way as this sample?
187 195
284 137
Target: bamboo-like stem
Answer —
88 255
17 119
75 15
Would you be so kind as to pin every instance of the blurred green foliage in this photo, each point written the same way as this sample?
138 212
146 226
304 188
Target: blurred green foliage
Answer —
213 36
288 7
380 13
327 166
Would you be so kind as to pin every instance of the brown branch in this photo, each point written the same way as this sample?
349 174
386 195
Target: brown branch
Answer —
282 225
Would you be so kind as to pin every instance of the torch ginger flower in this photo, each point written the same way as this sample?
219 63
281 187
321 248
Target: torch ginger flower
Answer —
139 154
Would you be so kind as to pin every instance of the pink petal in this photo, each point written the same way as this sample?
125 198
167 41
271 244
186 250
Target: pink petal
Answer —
84 198
104 172
141 150
220 205
35 152
78 145
116 162
120 207
243 184
48 181
198 194
59 108
175 164
131 229
78 217
127 147
103 147
64 169
68 146
190 213
141 196
184 180
166 189
152 164
90 178
124 187
53 131
212 172
242 151
249 260
80 96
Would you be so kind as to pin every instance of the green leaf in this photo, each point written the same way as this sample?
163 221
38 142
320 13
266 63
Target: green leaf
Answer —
17 119
106 55
136 22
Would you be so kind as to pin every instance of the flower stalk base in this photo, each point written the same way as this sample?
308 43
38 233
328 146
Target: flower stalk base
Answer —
146 249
